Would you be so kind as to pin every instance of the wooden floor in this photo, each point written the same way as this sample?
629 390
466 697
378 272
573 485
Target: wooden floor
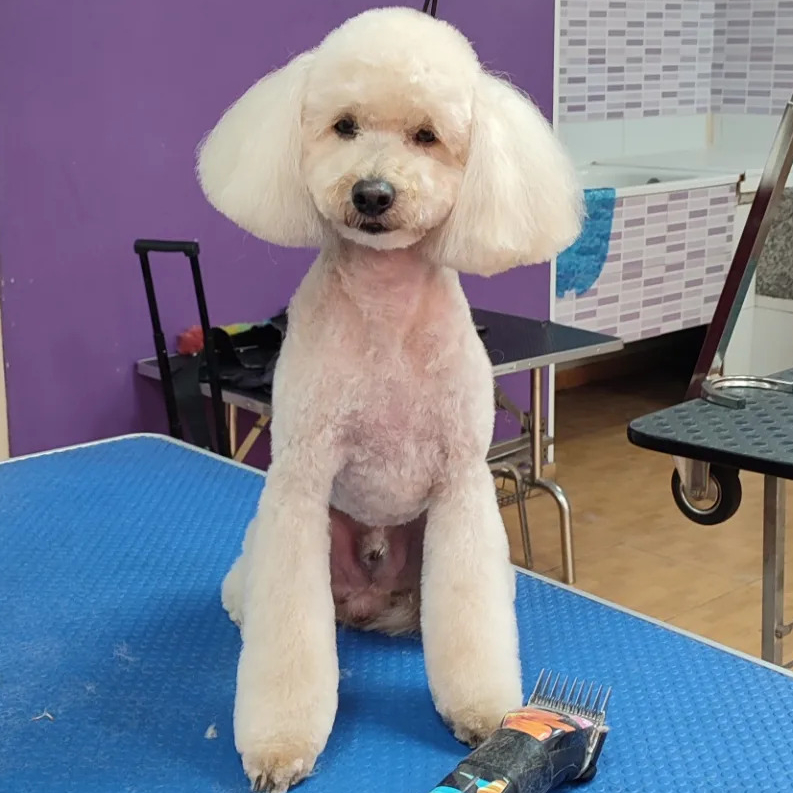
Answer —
633 546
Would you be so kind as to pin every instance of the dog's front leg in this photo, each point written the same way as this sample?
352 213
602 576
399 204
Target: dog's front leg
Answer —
287 679
467 610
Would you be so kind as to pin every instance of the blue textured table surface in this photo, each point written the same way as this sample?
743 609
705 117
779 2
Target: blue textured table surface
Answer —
110 622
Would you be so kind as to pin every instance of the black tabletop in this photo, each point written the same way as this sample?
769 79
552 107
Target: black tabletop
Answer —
513 343
757 437
517 343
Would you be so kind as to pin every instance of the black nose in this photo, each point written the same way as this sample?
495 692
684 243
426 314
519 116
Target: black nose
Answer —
372 197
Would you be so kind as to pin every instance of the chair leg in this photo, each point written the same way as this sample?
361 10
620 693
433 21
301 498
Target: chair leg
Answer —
508 470
565 525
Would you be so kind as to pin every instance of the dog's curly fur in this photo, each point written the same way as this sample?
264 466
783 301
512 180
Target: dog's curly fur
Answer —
383 401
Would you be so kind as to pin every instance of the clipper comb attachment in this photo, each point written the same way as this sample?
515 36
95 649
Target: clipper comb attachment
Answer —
570 698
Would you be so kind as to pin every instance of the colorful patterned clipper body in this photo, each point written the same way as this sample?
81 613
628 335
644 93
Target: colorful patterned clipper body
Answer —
556 738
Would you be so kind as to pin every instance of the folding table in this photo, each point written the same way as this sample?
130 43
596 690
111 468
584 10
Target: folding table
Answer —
514 344
117 662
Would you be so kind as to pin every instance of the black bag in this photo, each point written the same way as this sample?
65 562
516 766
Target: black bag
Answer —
246 360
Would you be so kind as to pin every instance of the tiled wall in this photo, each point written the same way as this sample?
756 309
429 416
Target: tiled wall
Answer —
668 257
753 56
641 58
634 58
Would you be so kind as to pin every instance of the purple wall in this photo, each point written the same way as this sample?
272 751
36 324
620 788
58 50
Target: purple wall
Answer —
102 105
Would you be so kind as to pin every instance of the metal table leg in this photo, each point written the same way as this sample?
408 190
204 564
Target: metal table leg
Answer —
565 515
774 628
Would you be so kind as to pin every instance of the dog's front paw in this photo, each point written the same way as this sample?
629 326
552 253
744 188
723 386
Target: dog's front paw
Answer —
474 707
280 736
275 765
472 726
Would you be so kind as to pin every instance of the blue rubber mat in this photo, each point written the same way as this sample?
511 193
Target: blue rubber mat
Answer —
117 662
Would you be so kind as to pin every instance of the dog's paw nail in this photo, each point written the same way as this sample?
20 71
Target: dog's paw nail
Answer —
275 770
472 738
473 729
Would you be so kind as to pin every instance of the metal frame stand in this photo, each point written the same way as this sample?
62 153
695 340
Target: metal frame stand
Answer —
714 389
774 628
706 380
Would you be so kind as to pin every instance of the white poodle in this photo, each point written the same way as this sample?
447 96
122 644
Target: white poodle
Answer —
390 148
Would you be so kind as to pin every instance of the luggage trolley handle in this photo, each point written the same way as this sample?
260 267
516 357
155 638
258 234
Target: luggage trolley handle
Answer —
190 249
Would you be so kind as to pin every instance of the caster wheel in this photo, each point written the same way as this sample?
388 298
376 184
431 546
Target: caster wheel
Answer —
721 503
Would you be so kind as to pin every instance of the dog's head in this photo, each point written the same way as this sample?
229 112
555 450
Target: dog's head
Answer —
390 134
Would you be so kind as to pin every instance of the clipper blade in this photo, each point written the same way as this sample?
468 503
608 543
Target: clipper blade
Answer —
554 693
551 693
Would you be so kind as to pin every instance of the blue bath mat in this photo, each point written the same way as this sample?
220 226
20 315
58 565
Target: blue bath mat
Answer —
579 267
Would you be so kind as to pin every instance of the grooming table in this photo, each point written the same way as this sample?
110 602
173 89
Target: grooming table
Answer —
117 663
514 344
757 437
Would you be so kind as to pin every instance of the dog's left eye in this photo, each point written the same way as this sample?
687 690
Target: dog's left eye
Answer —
346 127
425 136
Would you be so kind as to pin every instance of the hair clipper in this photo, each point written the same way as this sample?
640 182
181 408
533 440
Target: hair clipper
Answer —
556 738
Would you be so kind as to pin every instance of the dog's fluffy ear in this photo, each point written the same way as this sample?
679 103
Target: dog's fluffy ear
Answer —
519 201
249 165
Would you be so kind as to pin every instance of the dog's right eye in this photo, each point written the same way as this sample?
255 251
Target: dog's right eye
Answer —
346 127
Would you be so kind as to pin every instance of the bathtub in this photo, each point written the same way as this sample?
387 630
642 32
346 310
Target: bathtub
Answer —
668 252
639 180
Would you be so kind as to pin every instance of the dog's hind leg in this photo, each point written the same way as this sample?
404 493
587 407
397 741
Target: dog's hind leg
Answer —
232 590
467 613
